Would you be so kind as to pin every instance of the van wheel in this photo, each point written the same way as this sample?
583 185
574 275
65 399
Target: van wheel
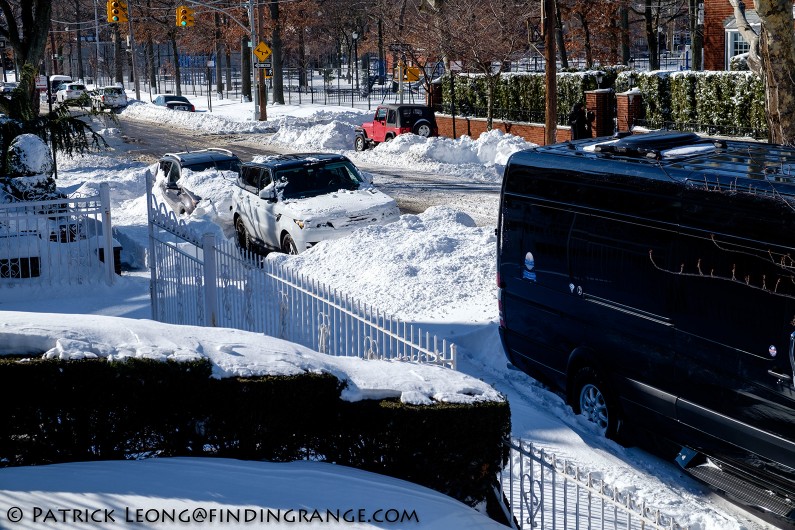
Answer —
242 234
288 245
422 128
360 144
592 398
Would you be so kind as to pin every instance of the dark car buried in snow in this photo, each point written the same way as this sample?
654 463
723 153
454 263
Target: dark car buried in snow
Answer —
170 173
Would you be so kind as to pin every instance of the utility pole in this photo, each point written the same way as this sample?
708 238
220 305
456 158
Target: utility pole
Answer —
550 71
252 22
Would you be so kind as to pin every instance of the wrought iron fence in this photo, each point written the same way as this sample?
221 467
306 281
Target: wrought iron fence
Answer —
705 128
548 493
58 242
204 282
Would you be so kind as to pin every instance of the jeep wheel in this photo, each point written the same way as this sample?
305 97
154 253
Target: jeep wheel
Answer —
242 234
288 245
422 128
389 137
360 144
592 399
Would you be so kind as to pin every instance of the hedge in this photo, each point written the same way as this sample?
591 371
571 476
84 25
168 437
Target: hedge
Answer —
59 411
722 99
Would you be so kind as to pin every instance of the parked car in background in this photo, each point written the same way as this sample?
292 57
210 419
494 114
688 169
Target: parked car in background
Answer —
7 88
174 102
71 93
392 120
170 172
55 81
108 97
292 202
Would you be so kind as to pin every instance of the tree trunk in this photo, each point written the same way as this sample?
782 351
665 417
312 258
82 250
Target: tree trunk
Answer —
245 69
276 46
564 60
778 63
175 57
651 36
625 52
151 67
228 56
118 56
586 29
491 80
696 37
219 84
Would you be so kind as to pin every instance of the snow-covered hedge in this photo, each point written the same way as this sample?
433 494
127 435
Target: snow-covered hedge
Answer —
724 99
96 409
520 96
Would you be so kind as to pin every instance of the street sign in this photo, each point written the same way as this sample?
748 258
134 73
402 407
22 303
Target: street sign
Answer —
267 65
41 82
411 74
262 51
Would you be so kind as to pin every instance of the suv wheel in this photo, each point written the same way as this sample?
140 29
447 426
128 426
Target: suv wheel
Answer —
242 235
422 128
389 137
360 143
288 245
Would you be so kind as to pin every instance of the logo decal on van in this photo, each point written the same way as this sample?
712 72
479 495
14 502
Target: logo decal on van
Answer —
529 265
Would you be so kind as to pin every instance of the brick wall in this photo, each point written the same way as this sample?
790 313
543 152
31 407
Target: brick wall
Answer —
716 12
627 109
474 127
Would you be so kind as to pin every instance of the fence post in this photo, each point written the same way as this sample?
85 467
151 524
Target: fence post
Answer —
107 231
210 284
151 258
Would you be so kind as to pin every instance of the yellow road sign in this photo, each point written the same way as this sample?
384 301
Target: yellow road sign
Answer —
262 51
411 73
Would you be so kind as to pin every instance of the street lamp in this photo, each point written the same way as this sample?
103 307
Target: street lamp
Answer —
355 37
599 76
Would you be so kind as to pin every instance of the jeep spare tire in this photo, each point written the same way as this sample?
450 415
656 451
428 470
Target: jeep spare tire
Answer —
422 128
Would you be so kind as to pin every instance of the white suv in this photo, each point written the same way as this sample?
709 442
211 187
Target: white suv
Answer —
291 202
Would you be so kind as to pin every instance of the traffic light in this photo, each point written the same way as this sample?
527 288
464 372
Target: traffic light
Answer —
117 11
185 16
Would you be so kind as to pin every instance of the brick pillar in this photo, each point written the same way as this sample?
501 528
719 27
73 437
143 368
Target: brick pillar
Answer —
600 102
628 107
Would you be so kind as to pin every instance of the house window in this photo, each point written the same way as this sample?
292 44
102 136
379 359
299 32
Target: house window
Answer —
735 45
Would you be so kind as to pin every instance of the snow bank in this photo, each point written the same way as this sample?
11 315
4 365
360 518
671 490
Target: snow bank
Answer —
436 266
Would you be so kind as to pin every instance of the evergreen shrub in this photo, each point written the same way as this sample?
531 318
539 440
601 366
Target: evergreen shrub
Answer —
94 409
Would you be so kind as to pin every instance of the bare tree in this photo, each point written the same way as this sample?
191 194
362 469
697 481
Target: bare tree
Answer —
489 34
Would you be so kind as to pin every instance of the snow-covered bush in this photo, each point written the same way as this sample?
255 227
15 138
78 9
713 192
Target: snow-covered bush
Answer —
30 168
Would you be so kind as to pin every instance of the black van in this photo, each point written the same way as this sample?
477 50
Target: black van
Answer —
652 279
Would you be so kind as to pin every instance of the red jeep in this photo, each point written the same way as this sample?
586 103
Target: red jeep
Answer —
391 120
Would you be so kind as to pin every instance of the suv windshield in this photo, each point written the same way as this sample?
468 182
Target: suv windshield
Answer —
313 180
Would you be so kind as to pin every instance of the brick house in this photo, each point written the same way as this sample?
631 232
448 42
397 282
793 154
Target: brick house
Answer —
721 38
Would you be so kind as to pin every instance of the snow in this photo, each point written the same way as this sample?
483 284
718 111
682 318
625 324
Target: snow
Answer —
435 268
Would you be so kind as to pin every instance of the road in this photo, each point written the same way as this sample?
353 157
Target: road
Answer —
415 191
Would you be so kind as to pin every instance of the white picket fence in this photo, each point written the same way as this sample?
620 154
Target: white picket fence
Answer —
57 242
198 280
